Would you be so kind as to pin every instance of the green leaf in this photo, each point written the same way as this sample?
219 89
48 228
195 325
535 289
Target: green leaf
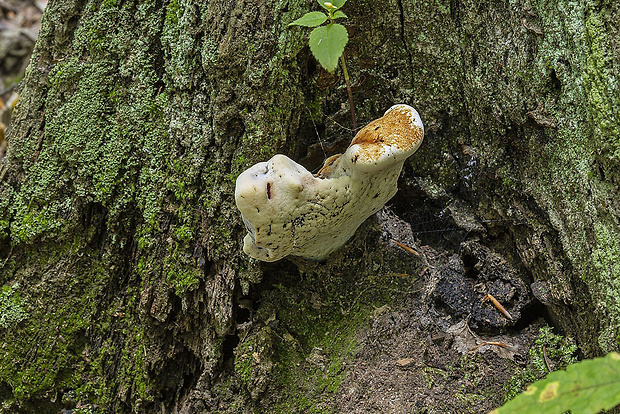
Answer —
339 15
327 44
311 19
336 3
586 387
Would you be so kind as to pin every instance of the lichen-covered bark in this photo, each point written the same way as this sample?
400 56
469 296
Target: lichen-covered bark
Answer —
117 221
531 109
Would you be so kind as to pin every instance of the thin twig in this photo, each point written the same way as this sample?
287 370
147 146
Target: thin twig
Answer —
4 169
497 305
546 359
499 344
7 258
348 82
407 248
472 333
466 327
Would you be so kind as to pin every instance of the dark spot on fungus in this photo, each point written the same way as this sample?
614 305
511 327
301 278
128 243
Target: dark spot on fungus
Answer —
268 191
355 159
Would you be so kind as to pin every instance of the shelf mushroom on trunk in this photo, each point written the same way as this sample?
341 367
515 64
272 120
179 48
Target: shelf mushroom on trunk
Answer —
289 211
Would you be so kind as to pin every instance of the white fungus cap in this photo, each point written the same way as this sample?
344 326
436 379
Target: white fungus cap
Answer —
288 211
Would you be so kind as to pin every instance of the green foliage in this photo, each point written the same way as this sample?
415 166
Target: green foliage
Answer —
110 3
585 387
559 351
548 348
312 19
326 42
11 311
517 383
172 12
333 5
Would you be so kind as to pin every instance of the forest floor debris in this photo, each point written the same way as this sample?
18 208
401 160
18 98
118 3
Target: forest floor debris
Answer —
20 22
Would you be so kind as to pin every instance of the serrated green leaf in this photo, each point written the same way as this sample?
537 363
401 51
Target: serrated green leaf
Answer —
311 19
339 15
336 3
586 387
327 44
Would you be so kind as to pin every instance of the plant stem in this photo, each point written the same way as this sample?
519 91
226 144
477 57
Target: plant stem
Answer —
346 79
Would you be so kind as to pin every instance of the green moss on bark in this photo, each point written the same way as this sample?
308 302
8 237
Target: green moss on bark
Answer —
131 168
48 357
126 147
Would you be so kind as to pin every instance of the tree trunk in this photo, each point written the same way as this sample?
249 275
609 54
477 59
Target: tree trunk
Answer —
120 245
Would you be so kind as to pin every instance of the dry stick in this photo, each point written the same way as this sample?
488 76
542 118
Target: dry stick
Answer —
347 81
11 252
497 305
407 248
3 171
498 344
546 359
472 333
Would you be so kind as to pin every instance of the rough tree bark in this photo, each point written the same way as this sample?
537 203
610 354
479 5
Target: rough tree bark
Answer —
125 288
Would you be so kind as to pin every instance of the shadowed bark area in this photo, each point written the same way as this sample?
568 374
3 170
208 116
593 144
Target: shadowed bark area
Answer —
120 245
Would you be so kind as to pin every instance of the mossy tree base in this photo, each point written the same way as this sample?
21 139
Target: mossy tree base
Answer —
118 232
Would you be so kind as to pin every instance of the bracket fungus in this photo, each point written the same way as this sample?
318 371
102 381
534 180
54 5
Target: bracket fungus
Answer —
289 211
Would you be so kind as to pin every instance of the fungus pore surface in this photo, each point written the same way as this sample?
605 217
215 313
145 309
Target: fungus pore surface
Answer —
289 211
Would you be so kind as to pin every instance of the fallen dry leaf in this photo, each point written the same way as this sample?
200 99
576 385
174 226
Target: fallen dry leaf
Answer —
405 362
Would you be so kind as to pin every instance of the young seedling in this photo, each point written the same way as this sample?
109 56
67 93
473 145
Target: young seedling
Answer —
327 42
